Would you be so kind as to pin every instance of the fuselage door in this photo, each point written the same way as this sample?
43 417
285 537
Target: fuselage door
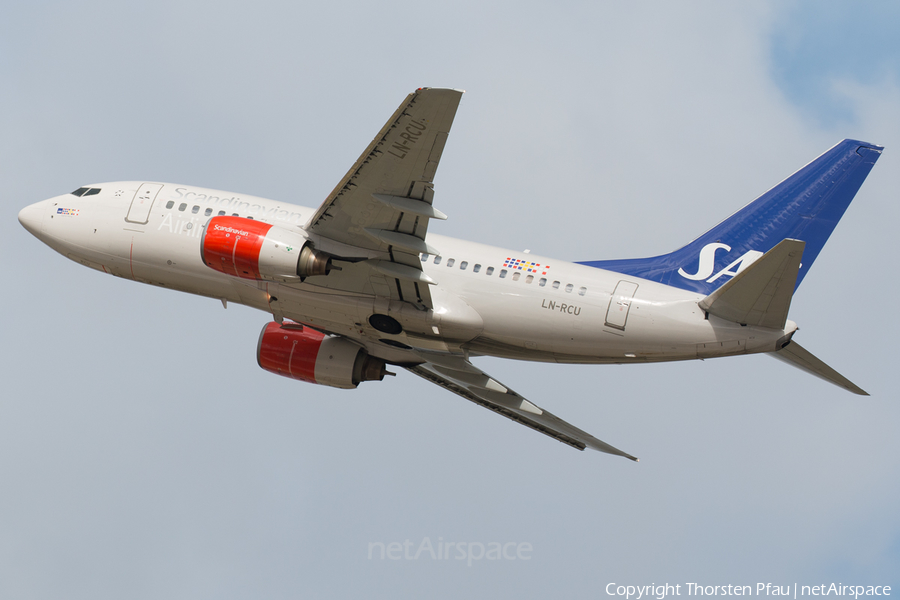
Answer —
139 211
620 304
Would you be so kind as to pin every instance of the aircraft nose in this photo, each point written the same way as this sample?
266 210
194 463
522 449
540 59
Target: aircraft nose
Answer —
32 218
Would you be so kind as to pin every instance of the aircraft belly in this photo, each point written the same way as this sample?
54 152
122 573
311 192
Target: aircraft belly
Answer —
538 329
513 321
344 314
455 319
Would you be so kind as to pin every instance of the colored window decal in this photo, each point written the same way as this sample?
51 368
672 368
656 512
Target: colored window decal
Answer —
523 265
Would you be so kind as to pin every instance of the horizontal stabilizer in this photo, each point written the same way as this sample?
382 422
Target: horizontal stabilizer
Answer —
760 295
798 356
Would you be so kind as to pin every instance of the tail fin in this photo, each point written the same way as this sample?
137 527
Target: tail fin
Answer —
761 296
806 206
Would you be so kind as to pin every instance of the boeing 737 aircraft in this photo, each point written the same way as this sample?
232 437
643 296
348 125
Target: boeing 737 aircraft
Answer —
356 285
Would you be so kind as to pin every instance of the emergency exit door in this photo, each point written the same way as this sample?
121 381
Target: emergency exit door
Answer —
620 304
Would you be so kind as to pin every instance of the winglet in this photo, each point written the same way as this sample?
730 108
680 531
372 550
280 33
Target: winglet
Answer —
761 294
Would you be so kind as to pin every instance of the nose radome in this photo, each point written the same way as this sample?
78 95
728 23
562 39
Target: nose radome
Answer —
32 217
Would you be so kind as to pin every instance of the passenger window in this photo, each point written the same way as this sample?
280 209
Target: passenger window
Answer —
182 206
437 260
555 285
450 262
235 215
542 282
569 287
170 204
208 212
195 210
463 265
529 279
502 273
476 268
424 257
516 276
582 291
489 272
221 213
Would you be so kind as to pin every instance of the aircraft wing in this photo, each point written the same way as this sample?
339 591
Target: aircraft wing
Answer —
461 377
384 202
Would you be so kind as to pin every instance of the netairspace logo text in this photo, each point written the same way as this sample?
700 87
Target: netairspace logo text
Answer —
659 592
467 551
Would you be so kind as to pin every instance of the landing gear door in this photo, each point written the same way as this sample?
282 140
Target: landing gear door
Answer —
620 304
139 211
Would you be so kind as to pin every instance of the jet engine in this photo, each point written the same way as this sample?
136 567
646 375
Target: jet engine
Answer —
299 352
255 250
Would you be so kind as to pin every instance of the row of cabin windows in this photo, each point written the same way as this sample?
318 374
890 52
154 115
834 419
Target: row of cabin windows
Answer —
463 265
516 275
196 208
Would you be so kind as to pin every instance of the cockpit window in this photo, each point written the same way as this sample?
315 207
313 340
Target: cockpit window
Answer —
83 191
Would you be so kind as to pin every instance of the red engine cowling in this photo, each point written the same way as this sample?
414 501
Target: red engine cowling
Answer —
255 250
299 352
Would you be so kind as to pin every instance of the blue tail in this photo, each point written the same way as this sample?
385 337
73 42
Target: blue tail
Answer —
806 206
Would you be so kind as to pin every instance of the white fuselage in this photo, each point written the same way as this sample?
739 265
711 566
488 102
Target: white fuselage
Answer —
484 303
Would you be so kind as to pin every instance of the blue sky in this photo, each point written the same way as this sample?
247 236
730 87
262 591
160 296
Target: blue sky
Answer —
815 45
144 454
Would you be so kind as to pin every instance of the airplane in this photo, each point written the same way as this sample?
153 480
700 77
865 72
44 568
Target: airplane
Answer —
359 284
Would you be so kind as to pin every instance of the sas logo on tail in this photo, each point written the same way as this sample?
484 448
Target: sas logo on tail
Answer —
708 263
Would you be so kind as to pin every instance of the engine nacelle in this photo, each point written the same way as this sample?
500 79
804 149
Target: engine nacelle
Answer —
299 352
255 250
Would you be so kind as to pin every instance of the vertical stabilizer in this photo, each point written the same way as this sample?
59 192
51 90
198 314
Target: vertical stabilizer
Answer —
806 207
